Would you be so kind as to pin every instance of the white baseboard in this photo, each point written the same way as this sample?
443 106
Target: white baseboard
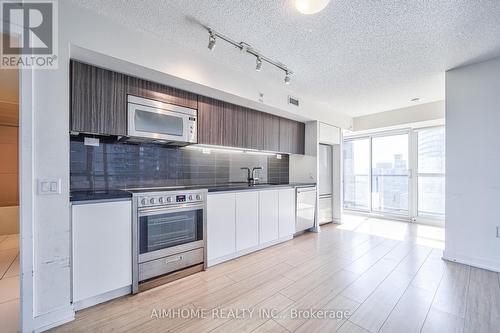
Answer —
54 318
91 301
476 262
212 262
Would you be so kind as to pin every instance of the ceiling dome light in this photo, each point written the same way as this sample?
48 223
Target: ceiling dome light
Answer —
310 6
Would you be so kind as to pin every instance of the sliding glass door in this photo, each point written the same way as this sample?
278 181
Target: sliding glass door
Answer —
399 173
390 174
357 174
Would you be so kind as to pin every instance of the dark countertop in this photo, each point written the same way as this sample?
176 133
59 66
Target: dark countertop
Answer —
245 187
76 196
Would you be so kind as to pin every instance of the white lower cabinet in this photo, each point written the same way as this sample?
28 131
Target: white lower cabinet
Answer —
241 222
101 249
268 215
221 225
247 220
286 212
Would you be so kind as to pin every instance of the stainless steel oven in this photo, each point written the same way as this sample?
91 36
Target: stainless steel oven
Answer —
150 120
168 233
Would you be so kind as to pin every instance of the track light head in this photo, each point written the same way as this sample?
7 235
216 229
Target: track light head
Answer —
211 40
258 66
287 77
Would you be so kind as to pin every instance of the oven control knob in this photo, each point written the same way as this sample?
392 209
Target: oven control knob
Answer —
144 201
161 200
169 199
198 197
152 201
190 198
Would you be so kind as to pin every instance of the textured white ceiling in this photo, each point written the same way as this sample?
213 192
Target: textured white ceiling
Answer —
356 56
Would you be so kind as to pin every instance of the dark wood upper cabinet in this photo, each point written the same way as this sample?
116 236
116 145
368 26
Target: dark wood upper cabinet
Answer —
221 123
229 125
292 136
235 126
210 121
99 106
271 137
98 100
162 93
255 129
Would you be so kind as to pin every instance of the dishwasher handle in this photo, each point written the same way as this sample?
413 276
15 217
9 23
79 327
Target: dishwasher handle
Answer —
306 189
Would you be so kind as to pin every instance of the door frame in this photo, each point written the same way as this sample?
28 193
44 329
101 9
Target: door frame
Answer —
26 198
26 178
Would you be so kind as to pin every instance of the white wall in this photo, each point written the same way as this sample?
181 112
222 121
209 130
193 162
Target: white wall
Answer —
473 164
413 114
84 34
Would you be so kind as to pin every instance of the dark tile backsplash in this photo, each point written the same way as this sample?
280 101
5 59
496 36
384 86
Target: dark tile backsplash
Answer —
119 165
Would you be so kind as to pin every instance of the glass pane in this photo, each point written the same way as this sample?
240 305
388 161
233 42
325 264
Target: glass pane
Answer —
390 194
357 174
431 150
158 123
431 196
390 155
165 230
390 174
431 172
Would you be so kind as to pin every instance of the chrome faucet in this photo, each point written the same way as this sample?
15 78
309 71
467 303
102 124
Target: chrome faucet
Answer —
248 174
251 176
255 179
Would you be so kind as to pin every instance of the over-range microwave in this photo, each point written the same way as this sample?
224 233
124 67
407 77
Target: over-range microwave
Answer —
155 121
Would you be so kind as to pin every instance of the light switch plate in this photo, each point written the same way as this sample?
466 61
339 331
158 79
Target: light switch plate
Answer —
49 186
498 232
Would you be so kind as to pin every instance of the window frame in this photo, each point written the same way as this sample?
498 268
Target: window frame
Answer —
412 177
425 219
363 137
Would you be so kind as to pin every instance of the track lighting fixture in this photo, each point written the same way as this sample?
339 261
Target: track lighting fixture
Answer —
211 40
245 47
287 77
258 67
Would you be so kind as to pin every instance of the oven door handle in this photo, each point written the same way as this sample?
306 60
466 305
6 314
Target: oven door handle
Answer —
161 210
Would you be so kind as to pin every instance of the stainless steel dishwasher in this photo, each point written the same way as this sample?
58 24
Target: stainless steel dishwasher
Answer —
305 208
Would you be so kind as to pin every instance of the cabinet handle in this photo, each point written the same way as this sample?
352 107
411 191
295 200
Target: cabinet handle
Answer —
173 260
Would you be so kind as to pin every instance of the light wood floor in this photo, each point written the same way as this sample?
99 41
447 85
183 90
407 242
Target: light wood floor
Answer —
385 276
9 283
